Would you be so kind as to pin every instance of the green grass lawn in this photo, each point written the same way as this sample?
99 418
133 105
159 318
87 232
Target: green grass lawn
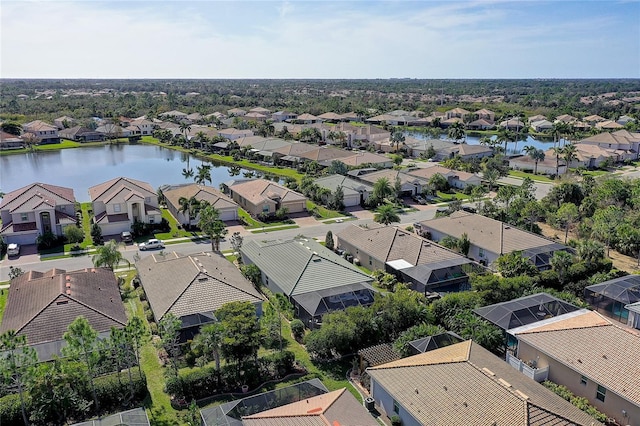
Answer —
226 159
158 404
254 224
86 227
174 232
4 293
450 197
594 173
273 228
537 178
324 212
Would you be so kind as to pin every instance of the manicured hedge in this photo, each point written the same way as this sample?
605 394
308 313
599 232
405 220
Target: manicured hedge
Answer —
10 413
112 394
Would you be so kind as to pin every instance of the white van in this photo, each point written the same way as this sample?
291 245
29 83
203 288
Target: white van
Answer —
13 249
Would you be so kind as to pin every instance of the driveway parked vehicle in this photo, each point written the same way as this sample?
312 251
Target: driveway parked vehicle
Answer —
13 249
126 237
151 245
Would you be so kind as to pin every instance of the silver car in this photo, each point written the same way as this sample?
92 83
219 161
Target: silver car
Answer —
151 245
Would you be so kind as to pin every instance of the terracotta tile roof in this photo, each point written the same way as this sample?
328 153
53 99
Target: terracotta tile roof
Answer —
122 185
186 285
306 117
607 359
258 190
464 384
35 194
42 305
334 408
201 193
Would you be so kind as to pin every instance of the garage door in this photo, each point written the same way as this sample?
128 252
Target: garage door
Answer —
227 215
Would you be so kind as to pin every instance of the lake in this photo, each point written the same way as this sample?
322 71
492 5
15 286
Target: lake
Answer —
81 168
512 149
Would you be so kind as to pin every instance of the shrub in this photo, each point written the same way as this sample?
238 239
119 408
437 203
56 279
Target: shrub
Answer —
396 421
10 410
112 393
297 328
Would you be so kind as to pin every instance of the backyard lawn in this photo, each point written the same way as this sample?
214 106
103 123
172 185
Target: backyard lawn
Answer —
3 301
537 178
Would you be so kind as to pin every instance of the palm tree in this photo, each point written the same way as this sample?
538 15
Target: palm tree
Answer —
185 128
456 131
386 214
505 136
397 138
557 151
108 255
536 155
204 174
382 189
191 206
558 130
569 154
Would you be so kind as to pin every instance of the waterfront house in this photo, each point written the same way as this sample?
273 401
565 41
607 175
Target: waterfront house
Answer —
81 134
42 133
226 207
261 196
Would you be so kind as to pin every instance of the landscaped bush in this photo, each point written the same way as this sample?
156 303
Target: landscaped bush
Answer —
578 401
297 328
10 411
48 240
113 393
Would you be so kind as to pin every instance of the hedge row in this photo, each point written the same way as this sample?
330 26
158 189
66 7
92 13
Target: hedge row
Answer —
204 382
111 394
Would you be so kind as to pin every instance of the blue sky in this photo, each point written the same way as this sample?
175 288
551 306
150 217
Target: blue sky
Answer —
320 39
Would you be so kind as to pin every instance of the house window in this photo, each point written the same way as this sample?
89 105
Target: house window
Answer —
480 252
370 260
396 407
601 393
152 219
265 208
583 380
24 217
116 208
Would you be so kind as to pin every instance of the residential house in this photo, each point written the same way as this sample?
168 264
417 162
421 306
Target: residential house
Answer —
464 384
431 343
565 118
634 315
593 358
547 166
193 288
42 133
361 158
456 178
491 238
135 416
227 208
612 296
41 305
537 117
261 110
174 115
622 142
485 114
81 134
233 134
236 112
330 116
420 147
120 202
625 119
464 151
281 116
481 124
410 185
325 154
457 113
448 122
145 127
9 141
292 153
35 209
424 265
541 126
609 125
512 124
356 193
64 122
261 196
339 407
524 313
256 116
306 118
315 279
194 117
593 119
114 131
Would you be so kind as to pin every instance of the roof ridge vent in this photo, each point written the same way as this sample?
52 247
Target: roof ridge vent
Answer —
504 383
489 372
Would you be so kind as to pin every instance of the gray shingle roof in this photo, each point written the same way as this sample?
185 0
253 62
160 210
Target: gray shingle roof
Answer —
42 305
309 266
186 285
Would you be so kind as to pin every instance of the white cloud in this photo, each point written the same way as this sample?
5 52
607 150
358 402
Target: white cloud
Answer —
148 39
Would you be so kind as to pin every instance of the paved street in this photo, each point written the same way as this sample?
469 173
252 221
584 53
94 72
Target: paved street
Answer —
309 228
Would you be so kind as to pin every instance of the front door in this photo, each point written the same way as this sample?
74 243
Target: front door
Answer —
45 221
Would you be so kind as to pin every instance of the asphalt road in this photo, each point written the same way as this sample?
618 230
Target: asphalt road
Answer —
32 261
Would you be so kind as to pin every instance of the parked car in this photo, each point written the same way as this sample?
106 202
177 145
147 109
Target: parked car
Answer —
151 245
126 237
13 249
469 209
419 199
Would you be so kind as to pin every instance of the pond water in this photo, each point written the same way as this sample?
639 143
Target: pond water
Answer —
81 168
512 148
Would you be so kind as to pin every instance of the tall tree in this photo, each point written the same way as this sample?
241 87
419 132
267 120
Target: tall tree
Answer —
203 174
328 240
382 189
561 261
569 154
136 333
456 131
536 155
17 365
212 226
209 341
241 331
82 345
169 330
567 214
109 255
